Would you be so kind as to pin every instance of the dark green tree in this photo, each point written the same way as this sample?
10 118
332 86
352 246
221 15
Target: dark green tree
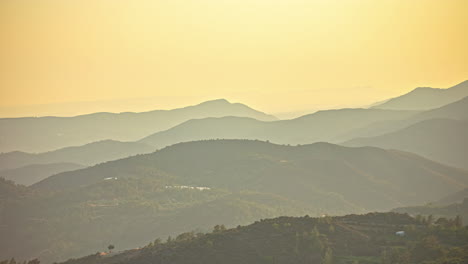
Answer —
110 247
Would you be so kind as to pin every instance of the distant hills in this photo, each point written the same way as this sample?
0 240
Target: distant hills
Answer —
127 178
321 126
443 140
31 174
317 127
425 98
39 134
293 172
438 134
438 210
457 110
350 126
333 126
200 184
86 155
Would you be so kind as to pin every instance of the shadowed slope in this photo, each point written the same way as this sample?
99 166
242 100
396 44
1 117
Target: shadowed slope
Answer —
443 140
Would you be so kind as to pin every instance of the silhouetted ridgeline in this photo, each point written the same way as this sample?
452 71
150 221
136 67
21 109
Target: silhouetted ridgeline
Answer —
424 98
41 134
320 126
331 126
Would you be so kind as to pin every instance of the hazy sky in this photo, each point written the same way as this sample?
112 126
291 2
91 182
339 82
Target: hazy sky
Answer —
274 55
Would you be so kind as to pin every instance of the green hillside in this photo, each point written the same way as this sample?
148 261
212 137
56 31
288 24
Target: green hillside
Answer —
196 185
385 179
366 239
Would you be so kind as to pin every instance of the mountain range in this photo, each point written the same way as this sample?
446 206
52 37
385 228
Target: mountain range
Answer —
443 140
333 126
438 134
317 127
320 126
86 155
261 166
40 134
200 184
127 178
425 98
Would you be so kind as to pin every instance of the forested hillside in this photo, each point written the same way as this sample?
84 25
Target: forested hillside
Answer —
200 184
366 239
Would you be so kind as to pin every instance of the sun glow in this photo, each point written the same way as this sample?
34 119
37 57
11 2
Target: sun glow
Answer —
314 53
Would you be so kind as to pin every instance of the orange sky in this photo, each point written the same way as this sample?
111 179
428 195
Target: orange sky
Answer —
274 55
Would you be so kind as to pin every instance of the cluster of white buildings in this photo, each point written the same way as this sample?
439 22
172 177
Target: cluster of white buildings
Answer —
188 187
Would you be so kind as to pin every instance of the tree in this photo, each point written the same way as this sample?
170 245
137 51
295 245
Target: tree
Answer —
110 247
219 228
157 242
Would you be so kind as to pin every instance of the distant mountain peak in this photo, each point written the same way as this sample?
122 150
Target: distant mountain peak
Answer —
426 98
424 88
51 133
216 101
462 85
